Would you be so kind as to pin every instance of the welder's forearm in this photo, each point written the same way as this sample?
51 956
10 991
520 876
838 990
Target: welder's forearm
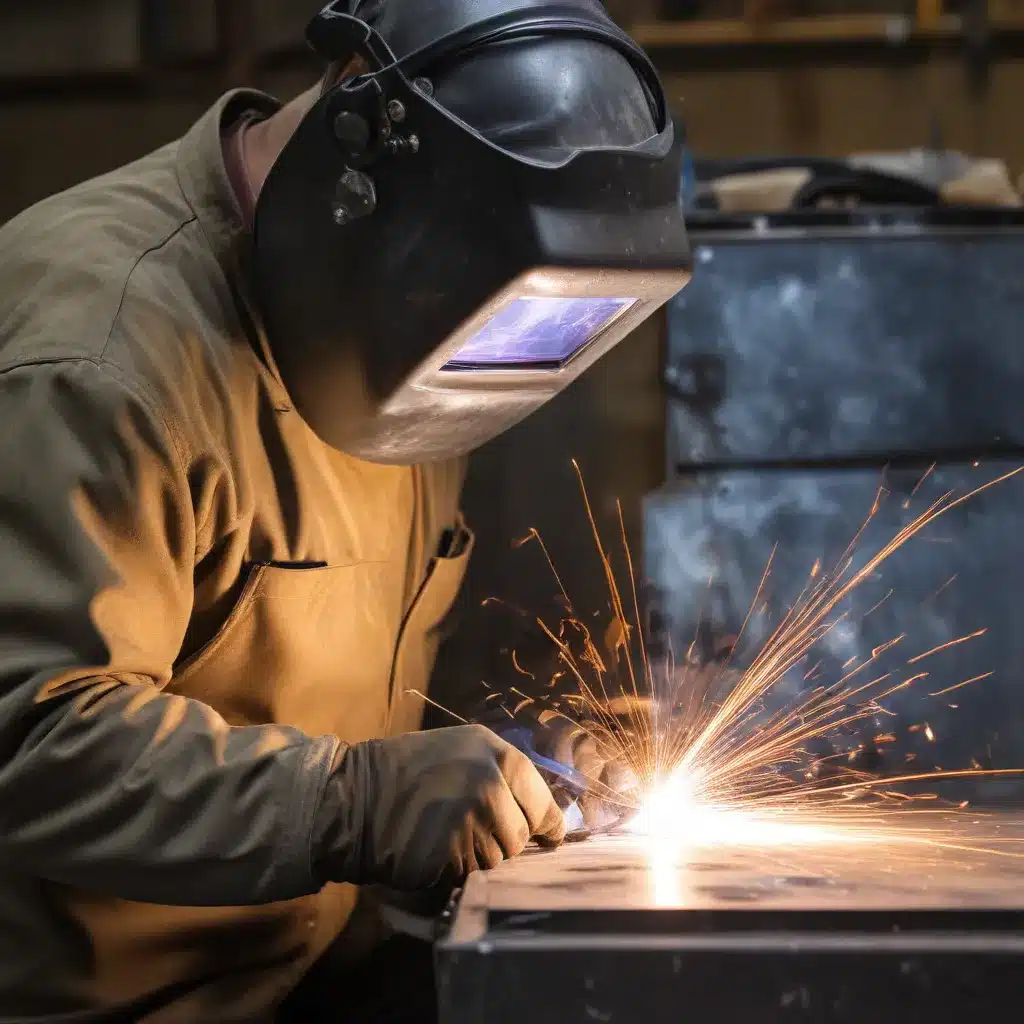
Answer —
124 790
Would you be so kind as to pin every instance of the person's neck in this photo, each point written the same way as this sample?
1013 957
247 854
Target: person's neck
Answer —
261 142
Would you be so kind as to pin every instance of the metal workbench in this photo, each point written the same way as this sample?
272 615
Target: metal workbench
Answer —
840 932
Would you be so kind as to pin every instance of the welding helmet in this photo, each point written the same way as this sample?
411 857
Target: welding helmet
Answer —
458 231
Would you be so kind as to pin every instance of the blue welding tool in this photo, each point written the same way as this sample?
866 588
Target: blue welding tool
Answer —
573 783
556 774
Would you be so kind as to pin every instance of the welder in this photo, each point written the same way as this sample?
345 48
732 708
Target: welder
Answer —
238 381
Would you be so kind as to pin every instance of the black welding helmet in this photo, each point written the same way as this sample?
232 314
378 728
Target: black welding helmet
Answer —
454 235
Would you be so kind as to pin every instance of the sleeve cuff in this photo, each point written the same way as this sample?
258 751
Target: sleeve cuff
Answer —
316 762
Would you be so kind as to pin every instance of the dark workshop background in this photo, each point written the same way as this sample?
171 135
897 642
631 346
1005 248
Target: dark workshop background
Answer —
88 84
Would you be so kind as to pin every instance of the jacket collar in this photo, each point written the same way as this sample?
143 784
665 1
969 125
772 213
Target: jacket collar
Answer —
206 186
203 175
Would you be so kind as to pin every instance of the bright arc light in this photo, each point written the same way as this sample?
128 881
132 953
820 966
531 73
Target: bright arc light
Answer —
675 817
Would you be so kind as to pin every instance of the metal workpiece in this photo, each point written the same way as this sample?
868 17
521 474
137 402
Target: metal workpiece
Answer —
616 930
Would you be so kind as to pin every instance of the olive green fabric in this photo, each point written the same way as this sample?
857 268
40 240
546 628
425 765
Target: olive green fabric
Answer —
199 602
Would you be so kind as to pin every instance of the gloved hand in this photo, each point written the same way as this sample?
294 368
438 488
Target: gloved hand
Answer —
605 750
612 746
428 808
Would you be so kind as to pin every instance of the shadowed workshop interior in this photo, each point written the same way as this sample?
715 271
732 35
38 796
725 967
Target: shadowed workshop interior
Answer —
847 350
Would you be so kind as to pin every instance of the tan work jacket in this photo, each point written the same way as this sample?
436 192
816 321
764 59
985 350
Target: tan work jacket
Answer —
198 601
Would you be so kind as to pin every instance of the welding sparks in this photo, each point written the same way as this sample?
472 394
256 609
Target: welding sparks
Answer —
958 686
715 768
947 645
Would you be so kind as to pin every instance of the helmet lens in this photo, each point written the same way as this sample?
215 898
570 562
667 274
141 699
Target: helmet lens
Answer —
538 332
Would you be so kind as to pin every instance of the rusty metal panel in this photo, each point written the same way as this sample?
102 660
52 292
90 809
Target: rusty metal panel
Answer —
809 364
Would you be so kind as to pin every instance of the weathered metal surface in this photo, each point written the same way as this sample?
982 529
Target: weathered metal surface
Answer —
807 368
823 347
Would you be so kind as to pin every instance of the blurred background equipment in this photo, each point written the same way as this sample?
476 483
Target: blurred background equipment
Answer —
752 77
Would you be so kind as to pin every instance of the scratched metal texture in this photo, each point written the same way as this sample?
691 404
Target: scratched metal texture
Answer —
978 863
887 932
826 347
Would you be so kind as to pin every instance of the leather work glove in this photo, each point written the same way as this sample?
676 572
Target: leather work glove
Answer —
590 762
425 809
605 751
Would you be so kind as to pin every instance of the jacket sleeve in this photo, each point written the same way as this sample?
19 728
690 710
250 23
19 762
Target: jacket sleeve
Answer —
107 783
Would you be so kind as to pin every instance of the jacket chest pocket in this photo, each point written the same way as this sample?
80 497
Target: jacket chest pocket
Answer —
307 646
422 632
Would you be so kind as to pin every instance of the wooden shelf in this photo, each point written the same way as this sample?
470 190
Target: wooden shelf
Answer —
894 29
712 40
837 28
737 42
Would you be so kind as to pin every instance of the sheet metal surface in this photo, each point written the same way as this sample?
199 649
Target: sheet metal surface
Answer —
615 873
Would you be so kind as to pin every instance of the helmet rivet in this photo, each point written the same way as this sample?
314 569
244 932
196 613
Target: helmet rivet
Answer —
354 197
352 132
